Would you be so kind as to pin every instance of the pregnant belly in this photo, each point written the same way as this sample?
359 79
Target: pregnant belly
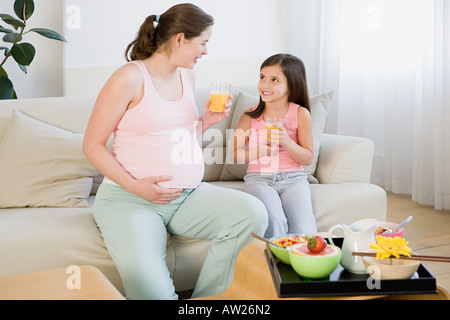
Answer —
181 160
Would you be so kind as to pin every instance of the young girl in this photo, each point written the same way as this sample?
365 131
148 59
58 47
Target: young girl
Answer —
147 191
276 157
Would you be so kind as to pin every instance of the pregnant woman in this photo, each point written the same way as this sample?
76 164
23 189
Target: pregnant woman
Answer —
148 190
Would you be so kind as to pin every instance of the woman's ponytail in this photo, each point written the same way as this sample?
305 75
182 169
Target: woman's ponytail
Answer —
144 45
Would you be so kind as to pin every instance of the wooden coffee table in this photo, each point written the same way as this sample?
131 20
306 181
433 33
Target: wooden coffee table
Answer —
58 284
253 281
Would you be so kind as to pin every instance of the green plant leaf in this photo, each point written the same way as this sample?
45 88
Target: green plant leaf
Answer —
23 68
3 72
4 30
12 21
6 88
49 34
29 8
12 37
23 53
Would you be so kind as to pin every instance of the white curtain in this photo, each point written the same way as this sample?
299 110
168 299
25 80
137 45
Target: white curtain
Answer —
388 62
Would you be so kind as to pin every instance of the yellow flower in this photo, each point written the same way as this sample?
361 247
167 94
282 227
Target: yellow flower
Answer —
388 246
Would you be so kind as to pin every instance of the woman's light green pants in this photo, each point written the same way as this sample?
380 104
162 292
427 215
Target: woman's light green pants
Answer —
135 234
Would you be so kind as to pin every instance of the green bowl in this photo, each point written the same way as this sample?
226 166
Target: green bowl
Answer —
282 253
316 266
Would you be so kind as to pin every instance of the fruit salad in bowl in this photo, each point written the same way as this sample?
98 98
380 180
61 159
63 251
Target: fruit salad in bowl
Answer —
383 226
281 245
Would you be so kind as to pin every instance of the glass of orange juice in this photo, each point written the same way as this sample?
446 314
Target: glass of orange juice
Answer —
272 124
220 93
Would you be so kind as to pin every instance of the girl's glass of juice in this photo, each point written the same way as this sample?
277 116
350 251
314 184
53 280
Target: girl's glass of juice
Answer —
272 124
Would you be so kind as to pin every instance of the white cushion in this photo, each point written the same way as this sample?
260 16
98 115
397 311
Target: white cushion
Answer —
344 159
42 166
346 203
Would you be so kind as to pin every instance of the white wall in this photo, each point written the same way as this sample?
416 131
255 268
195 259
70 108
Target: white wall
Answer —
44 77
245 33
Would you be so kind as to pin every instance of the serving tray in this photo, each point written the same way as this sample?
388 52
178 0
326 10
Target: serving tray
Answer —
343 283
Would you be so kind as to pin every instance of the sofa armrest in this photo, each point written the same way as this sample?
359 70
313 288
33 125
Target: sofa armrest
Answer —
344 159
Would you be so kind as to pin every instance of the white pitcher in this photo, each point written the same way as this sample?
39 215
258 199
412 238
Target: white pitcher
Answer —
357 237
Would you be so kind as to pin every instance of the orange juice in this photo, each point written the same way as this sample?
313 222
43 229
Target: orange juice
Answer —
268 128
272 124
218 101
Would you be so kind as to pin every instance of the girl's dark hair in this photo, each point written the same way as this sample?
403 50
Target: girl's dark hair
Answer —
182 18
295 72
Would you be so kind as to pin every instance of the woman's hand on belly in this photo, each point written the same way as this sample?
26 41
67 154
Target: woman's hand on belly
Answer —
148 189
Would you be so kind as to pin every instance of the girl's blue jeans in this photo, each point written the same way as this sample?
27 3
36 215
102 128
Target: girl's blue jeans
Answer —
287 197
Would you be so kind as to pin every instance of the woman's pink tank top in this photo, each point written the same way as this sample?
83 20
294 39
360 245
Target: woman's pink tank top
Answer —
283 161
158 137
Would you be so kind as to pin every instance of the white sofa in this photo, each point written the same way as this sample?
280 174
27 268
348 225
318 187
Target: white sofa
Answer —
39 234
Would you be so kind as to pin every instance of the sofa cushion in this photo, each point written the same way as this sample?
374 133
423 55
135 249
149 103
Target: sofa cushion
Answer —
43 166
346 203
35 239
320 106
232 171
319 110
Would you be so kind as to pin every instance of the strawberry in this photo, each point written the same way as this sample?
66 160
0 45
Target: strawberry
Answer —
316 244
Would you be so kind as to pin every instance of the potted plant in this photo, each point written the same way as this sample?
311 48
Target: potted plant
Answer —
22 52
